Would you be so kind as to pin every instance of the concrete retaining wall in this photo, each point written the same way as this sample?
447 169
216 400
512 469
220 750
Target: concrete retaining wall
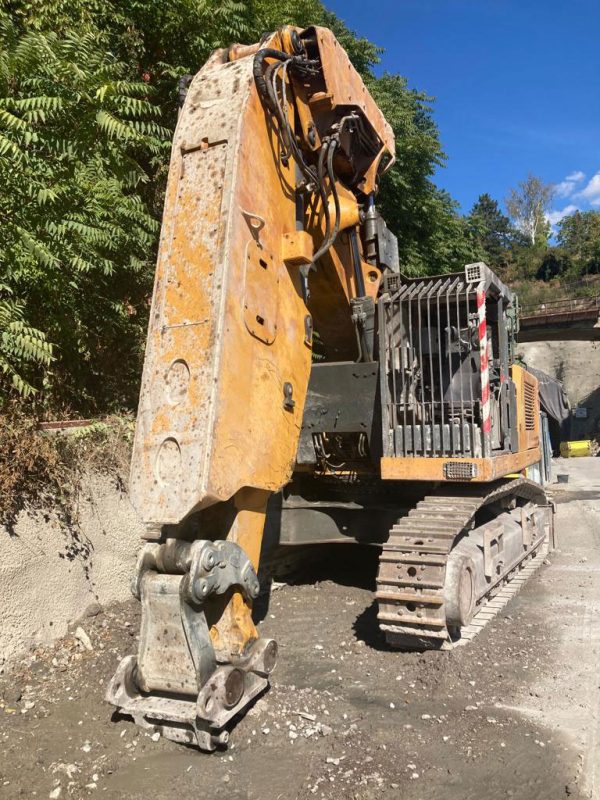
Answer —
577 366
49 575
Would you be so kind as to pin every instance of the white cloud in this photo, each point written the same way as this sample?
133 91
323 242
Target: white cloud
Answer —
591 192
567 187
564 188
554 217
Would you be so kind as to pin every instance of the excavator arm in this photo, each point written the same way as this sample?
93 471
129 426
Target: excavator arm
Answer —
265 249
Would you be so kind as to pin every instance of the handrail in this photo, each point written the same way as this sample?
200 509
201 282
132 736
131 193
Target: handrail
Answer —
560 306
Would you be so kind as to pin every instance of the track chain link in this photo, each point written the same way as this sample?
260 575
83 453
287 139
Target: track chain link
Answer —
412 565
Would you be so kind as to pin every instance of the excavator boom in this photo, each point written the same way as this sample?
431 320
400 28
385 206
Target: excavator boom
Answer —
229 346
276 149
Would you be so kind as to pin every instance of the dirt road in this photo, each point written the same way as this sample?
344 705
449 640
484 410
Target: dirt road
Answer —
515 714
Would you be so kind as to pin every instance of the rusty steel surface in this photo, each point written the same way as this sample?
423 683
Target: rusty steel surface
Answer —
568 308
67 424
211 418
561 319
226 333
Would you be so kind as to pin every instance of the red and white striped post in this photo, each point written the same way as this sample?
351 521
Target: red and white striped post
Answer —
486 421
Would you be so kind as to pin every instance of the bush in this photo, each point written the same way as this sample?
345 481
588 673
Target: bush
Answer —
555 264
45 470
77 141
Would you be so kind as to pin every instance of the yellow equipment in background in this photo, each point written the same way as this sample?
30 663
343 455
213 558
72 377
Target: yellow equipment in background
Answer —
583 447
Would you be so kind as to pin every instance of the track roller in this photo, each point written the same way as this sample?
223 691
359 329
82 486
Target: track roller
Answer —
459 592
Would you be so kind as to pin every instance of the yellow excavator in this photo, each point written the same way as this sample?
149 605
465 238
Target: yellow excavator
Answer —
292 372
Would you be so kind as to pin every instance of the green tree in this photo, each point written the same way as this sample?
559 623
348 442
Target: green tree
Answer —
77 238
22 347
527 206
431 235
165 40
491 230
579 236
555 263
90 90
156 40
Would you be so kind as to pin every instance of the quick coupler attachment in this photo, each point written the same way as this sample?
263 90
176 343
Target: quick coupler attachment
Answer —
181 684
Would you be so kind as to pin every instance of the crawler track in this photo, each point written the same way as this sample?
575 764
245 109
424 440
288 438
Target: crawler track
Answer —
489 608
412 567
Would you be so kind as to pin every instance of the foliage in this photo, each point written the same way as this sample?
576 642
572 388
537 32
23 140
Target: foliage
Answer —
77 141
527 206
22 348
575 254
41 470
555 263
536 292
89 99
491 230
431 237
579 236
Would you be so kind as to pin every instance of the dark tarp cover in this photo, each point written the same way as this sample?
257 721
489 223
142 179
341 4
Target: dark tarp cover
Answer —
553 398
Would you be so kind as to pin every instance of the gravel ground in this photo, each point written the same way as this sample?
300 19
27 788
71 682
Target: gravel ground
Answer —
515 714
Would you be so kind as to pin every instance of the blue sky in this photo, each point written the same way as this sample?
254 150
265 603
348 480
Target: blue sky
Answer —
517 88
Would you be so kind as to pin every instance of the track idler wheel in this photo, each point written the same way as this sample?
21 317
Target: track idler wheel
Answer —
459 592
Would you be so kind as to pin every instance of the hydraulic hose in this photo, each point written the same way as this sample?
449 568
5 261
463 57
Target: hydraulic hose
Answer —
258 67
331 175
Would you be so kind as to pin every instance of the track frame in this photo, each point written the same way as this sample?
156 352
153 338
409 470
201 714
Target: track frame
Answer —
413 563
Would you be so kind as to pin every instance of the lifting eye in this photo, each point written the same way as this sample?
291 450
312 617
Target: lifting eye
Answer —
288 396
260 320
263 263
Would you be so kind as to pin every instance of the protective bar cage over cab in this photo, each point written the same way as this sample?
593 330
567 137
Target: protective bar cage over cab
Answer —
454 405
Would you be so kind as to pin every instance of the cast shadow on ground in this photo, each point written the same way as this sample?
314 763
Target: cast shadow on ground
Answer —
345 565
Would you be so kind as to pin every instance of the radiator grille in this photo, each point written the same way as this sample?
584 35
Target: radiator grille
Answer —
529 393
460 470
430 349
